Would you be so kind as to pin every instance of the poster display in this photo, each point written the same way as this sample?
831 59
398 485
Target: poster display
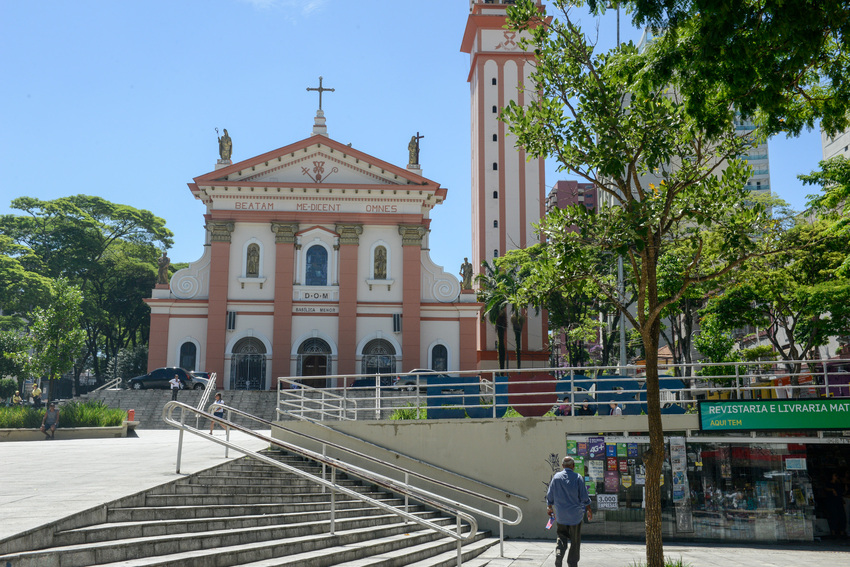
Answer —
612 482
595 447
607 502
595 470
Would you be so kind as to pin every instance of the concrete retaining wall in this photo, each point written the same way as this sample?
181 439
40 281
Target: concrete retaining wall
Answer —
65 433
512 455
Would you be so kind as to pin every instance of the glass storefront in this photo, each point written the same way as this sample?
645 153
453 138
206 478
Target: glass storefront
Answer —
712 490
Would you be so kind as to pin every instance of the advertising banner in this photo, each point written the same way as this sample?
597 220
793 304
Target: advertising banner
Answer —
749 415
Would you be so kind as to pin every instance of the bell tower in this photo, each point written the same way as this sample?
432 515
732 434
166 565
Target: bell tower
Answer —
508 191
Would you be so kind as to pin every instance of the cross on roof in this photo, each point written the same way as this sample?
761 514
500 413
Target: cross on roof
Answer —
321 89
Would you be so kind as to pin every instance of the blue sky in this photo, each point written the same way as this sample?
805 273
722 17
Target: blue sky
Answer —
121 98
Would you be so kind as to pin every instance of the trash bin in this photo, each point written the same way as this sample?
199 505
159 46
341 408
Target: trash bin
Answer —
131 415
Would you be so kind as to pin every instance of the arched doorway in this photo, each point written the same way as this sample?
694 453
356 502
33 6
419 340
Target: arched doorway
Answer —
248 365
313 360
379 358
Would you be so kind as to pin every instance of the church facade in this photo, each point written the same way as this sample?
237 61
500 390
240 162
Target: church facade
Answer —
316 264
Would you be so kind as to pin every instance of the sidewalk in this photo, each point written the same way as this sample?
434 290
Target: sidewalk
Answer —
43 481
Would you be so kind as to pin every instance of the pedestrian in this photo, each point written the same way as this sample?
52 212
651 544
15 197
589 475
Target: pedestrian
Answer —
567 500
36 396
564 408
585 409
615 409
50 421
217 409
175 386
16 399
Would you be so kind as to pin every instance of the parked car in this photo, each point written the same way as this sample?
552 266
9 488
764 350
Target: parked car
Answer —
159 380
386 382
420 376
202 377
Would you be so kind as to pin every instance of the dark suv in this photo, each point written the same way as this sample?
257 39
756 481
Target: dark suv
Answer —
159 380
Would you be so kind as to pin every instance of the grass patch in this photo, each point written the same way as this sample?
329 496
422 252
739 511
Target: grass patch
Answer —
409 411
93 413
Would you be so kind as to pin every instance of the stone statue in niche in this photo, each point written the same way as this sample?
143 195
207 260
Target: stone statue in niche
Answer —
252 269
380 263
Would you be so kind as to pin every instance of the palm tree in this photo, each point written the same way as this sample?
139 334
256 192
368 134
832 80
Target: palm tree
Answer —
491 292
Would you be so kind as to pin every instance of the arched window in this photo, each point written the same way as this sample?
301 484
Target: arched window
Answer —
495 137
494 82
495 109
188 355
495 194
380 264
252 261
495 166
495 224
495 253
317 266
379 358
439 358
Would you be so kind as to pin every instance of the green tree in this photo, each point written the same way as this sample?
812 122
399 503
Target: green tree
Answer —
14 349
669 181
57 337
833 203
108 250
21 289
782 62
796 296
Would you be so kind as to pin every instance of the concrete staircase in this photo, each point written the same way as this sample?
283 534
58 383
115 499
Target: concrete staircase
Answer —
148 404
243 513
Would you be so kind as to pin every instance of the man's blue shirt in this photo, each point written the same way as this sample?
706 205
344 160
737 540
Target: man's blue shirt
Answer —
568 495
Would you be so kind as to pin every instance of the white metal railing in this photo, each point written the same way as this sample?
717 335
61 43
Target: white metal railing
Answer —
298 399
205 397
114 383
489 393
462 512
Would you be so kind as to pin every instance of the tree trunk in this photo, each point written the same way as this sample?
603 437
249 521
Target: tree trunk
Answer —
654 458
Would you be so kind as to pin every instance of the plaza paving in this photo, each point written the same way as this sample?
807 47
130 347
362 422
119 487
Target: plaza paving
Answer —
42 481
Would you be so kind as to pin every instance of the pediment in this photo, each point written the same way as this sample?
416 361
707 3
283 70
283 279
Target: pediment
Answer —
315 162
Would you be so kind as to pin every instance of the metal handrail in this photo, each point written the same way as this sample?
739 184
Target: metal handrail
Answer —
749 378
205 397
292 394
115 382
441 503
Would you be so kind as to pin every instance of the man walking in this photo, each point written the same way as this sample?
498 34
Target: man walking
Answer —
567 500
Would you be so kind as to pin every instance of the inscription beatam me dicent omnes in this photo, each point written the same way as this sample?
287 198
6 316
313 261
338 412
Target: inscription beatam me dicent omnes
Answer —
313 207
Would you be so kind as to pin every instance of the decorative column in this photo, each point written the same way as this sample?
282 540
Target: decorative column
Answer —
411 302
349 244
284 264
217 304
158 340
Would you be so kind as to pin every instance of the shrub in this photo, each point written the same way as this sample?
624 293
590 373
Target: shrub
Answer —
93 413
409 411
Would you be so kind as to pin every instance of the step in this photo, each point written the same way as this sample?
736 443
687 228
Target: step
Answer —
368 552
185 551
149 528
149 513
242 499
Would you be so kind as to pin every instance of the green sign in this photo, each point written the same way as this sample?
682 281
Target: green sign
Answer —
738 415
